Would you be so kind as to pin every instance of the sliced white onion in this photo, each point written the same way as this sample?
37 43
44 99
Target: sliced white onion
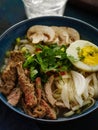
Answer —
71 91
79 99
24 41
30 48
95 81
88 90
92 84
59 84
79 82
80 86
64 95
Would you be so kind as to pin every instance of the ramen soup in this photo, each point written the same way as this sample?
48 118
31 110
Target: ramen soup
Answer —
51 72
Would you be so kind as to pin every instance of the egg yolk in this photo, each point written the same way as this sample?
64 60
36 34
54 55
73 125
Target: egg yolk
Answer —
89 55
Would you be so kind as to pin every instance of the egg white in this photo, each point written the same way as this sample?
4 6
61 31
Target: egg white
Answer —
72 51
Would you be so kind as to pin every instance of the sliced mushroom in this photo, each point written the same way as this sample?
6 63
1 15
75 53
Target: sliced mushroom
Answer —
73 34
65 35
40 33
61 36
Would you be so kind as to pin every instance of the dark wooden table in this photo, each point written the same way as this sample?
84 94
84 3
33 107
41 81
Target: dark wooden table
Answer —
11 12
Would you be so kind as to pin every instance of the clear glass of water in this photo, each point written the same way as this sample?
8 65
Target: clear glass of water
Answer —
35 8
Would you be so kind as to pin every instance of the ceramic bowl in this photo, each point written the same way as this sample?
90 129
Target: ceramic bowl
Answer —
87 32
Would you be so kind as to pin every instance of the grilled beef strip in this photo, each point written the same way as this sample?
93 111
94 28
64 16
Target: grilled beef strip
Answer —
48 90
9 74
26 86
50 111
39 111
16 56
38 89
14 96
8 78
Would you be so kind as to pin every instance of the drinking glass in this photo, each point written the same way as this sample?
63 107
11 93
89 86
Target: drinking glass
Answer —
35 8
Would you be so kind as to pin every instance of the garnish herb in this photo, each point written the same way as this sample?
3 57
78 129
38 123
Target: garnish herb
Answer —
50 58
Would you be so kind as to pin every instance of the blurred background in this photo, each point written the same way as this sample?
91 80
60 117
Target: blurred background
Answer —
87 5
12 12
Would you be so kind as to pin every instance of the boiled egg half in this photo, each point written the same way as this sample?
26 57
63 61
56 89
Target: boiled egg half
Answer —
84 55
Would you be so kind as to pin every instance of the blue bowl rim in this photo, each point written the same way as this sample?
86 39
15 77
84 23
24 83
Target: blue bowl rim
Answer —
47 120
66 17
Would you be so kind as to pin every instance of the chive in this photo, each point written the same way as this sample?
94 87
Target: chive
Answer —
7 53
18 40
